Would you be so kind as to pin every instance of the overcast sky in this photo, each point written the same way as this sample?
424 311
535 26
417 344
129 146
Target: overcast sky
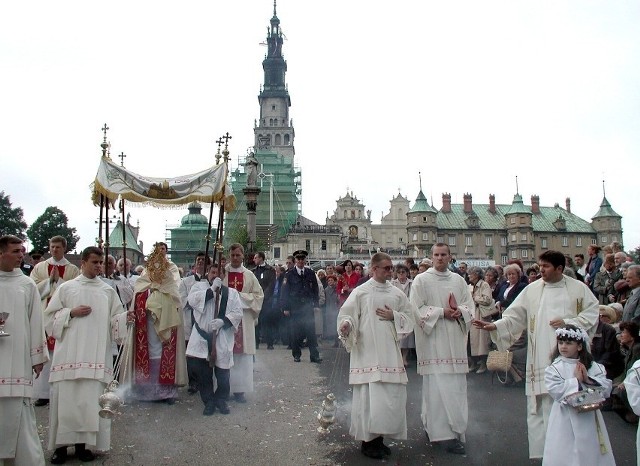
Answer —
470 93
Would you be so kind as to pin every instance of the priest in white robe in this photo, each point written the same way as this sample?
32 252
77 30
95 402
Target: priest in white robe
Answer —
23 353
444 313
49 275
540 308
80 316
241 279
632 386
371 322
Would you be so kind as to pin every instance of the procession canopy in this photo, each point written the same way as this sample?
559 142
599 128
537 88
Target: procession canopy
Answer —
209 185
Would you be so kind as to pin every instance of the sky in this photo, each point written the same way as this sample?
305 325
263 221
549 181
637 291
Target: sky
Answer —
470 94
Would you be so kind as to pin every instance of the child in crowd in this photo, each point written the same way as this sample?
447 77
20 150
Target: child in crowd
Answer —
573 437
331 308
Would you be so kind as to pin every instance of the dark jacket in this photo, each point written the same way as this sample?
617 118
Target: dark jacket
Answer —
266 276
299 292
605 349
515 291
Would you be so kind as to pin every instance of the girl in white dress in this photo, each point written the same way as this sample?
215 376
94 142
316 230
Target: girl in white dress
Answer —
573 437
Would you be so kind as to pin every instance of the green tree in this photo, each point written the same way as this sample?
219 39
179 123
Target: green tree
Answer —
635 255
51 223
11 220
240 234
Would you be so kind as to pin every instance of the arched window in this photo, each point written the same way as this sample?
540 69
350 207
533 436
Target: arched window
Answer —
278 139
270 121
286 140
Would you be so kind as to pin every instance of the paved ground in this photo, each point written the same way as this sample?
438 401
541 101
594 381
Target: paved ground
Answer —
278 424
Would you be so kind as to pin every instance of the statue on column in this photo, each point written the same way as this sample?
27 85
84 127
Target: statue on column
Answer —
251 169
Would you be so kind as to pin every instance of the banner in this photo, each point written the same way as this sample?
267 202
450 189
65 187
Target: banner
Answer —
205 186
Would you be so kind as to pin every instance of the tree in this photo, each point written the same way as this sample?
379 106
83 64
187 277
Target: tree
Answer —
11 220
53 222
240 234
635 255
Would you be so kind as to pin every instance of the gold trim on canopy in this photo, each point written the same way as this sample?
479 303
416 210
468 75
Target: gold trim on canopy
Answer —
209 186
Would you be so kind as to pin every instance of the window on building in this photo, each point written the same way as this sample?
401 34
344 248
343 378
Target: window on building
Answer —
323 245
614 238
565 241
452 240
523 220
604 240
514 238
579 241
275 122
307 245
424 219
514 254
543 243
287 141
504 259
523 237
440 239
593 241
414 219
425 236
400 240
513 221
468 240
278 139
273 107
276 252
503 241
488 240
524 254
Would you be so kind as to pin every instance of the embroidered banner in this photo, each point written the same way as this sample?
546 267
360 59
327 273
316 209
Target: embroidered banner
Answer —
206 186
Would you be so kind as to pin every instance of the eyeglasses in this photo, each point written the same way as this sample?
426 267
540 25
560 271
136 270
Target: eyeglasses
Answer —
387 268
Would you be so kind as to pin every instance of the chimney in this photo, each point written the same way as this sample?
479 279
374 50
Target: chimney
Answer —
492 203
568 204
535 204
446 202
468 205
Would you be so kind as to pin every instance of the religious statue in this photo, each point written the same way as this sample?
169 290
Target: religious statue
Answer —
251 169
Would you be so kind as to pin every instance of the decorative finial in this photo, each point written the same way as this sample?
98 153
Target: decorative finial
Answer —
604 194
225 152
122 156
105 144
274 8
517 189
420 177
218 155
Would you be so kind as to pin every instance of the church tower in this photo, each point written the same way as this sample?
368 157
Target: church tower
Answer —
278 178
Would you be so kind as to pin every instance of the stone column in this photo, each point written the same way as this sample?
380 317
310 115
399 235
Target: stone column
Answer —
251 197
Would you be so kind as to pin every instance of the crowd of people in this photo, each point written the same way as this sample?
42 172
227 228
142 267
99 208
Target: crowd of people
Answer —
157 329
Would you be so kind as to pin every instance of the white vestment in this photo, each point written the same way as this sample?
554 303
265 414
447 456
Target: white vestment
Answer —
183 290
441 346
24 348
533 309
632 386
252 295
574 438
82 363
376 371
46 288
203 314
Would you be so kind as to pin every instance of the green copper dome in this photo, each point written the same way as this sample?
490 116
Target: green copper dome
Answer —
194 217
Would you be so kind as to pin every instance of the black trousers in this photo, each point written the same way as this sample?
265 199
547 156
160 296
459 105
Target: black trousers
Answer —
204 377
304 326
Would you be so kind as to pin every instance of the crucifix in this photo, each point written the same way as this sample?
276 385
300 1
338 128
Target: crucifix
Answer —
226 138
218 155
122 156
105 128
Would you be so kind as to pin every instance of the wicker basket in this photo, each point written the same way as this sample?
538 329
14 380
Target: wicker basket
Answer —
499 361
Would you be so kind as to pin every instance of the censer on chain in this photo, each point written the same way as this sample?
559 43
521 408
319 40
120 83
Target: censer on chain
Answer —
327 414
110 401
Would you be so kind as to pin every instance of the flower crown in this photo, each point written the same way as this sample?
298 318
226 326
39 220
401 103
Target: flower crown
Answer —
571 334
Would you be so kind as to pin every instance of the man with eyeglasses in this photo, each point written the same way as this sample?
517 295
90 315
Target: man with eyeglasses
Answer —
444 314
370 323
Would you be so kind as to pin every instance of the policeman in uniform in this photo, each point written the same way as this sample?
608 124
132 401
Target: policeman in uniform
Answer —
299 298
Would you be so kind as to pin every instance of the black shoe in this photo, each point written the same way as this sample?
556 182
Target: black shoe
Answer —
170 401
379 441
85 455
222 407
316 360
41 402
269 346
59 456
239 398
209 409
296 358
454 446
371 450
191 390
